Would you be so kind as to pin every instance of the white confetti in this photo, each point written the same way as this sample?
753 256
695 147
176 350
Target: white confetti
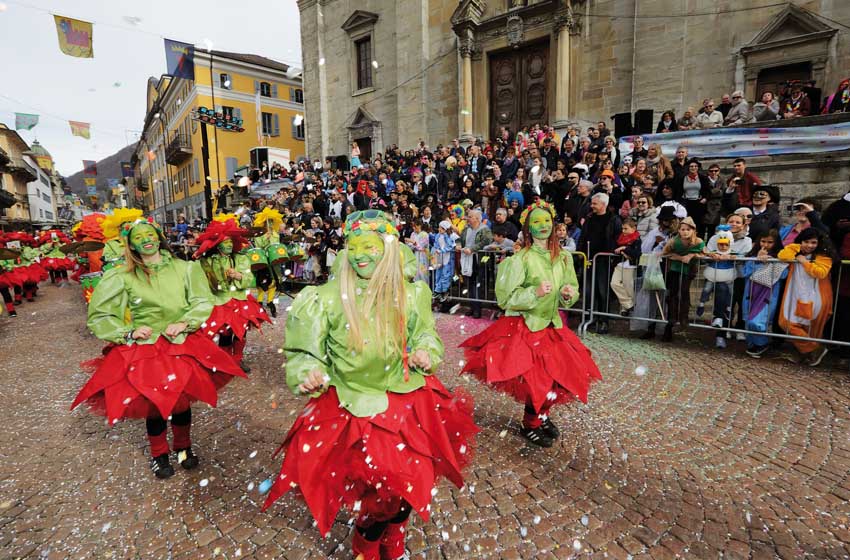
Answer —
250 486
400 447
322 61
523 532
445 535
640 371
536 520
503 433
204 483
305 448
585 520
252 455
106 527
576 545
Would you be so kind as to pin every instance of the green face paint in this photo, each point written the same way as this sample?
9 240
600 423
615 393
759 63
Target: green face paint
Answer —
540 224
365 251
144 240
226 247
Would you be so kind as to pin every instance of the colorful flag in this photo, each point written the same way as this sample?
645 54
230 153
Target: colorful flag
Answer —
25 121
151 155
75 37
90 181
112 183
89 167
44 162
180 59
81 129
126 170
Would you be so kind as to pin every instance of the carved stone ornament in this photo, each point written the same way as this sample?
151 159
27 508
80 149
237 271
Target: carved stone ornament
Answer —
514 30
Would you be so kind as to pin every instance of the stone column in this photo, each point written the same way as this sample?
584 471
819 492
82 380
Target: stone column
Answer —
565 26
466 48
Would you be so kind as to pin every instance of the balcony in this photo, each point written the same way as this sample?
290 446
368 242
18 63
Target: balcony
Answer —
4 158
179 149
22 170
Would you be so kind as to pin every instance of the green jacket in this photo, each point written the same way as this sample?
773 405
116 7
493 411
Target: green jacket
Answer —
51 250
676 247
224 289
517 281
317 338
113 253
176 291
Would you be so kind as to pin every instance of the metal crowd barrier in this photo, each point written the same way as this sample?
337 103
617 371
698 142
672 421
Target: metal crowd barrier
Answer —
653 306
485 271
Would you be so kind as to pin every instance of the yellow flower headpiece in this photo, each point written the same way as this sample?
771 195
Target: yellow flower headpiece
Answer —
539 205
222 217
111 225
269 214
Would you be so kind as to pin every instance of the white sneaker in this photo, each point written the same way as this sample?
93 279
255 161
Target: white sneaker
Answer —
720 342
740 337
717 322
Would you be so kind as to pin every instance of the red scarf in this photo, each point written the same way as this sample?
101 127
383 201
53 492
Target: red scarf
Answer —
627 239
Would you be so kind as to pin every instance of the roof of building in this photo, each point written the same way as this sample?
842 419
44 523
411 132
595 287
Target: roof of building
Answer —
39 150
253 59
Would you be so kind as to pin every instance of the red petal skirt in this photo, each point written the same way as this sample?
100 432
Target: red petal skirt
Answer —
36 273
370 464
149 380
55 263
237 316
14 277
551 364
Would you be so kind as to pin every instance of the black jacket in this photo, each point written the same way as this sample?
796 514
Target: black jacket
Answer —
764 222
599 233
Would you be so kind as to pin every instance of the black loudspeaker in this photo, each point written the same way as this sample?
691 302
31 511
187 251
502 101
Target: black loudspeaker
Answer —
643 121
622 124
342 163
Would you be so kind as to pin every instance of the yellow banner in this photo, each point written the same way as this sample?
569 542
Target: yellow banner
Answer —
90 181
81 129
44 162
75 37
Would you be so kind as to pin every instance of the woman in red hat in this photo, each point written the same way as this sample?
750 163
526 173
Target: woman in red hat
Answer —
157 363
230 279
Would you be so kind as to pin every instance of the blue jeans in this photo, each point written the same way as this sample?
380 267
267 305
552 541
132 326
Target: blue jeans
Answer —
722 298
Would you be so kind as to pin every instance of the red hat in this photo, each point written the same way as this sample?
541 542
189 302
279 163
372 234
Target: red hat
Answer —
217 232
90 228
47 237
23 237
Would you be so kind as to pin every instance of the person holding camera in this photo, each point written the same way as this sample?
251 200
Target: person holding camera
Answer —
806 214
742 183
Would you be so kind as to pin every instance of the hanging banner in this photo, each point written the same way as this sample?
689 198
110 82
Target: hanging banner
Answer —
75 37
91 190
44 162
180 59
25 121
112 183
81 129
126 170
749 142
89 167
90 181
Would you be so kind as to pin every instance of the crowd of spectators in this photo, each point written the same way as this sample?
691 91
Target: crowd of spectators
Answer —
452 202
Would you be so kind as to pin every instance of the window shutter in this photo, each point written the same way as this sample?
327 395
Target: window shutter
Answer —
218 109
256 86
292 94
294 128
196 176
231 164
274 90
276 131
237 112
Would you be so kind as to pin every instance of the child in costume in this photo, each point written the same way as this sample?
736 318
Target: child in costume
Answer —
530 353
807 301
157 363
270 220
419 243
762 290
719 277
230 279
380 429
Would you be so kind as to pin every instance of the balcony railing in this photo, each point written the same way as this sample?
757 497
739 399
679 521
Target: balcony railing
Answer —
179 149
21 169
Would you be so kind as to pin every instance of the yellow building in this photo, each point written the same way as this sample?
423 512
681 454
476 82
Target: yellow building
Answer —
168 161
15 174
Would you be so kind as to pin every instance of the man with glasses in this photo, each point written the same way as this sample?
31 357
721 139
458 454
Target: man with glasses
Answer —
740 111
638 152
710 117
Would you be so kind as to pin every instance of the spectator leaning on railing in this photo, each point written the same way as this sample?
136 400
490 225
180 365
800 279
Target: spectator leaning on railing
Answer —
474 238
709 117
740 111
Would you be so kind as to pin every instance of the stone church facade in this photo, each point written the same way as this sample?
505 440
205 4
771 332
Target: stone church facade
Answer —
399 71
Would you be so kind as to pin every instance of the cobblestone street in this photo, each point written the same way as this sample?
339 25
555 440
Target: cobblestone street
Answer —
708 454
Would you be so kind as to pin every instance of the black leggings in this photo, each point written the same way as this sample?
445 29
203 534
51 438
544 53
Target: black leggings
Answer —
7 295
376 530
58 274
157 424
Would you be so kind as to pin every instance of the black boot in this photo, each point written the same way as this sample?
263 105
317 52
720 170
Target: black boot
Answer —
550 429
187 459
272 309
537 436
161 466
668 333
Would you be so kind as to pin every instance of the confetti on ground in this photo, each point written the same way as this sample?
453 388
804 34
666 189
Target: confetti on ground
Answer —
204 482
640 371
265 486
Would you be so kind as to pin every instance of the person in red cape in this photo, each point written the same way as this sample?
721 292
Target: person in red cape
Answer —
229 275
157 363
25 271
380 429
530 352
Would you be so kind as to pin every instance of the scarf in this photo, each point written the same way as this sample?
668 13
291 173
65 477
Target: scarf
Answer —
627 239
